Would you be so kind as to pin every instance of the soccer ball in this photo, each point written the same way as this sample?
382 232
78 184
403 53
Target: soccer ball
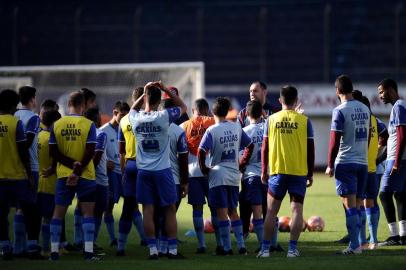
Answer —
315 224
284 222
208 227
304 226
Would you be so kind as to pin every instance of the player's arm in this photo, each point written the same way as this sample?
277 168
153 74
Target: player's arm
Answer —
138 103
22 149
56 154
383 136
183 162
400 123
264 155
248 146
32 129
100 148
205 146
89 152
337 126
121 149
310 154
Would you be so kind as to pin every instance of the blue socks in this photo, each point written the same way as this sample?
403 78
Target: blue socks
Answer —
124 228
78 233
88 227
20 239
173 246
152 245
353 226
163 244
274 240
139 225
373 221
215 223
46 237
292 245
199 227
266 244
362 232
55 229
259 229
109 221
224 228
237 228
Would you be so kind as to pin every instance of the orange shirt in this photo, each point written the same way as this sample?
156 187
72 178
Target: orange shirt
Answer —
195 129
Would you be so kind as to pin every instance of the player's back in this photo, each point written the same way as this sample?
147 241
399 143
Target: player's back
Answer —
31 123
112 152
45 184
71 134
126 135
11 166
255 132
352 119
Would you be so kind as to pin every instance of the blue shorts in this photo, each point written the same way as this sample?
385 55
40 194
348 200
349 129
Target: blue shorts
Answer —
85 191
46 204
279 184
156 187
351 178
223 197
14 191
252 190
115 186
395 182
130 179
101 198
372 188
198 190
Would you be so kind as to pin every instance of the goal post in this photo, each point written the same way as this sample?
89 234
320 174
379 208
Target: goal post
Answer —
110 82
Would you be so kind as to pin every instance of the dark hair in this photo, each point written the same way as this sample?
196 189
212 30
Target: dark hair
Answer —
92 114
153 94
88 94
344 84
50 117
9 100
167 103
221 106
357 95
26 94
137 92
254 109
389 83
121 106
76 99
289 94
261 84
49 104
201 105
365 100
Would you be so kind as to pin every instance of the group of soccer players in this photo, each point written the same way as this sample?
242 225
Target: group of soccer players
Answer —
152 154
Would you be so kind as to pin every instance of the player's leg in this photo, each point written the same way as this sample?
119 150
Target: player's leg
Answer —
196 197
5 198
20 239
236 223
372 211
362 183
245 210
46 204
114 195
400 197
101 201
386 196
254 194
78 233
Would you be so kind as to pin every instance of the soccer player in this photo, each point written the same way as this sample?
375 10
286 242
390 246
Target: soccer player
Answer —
255 191
100 164
113 165
258 91
47 105
223 141
130 213
288 152
90 98
155 183
31 128
348 157
72 144
394 177
198 187
47 177
16 180
184 117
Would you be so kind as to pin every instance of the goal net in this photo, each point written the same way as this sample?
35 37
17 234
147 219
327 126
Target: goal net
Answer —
110 82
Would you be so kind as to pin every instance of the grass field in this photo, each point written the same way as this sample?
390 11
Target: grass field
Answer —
317 249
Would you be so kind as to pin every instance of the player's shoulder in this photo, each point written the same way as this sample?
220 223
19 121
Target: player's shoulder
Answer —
105 127
399 103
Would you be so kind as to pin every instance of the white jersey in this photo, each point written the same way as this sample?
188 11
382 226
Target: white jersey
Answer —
31 125
223 142
112 146
397 118
151 133
101 169
178 145
255 132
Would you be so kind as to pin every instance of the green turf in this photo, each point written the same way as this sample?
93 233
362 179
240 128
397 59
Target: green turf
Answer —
317 249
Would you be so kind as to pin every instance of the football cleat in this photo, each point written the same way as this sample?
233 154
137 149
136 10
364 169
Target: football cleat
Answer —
350 251
293 253
263 254
390 241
